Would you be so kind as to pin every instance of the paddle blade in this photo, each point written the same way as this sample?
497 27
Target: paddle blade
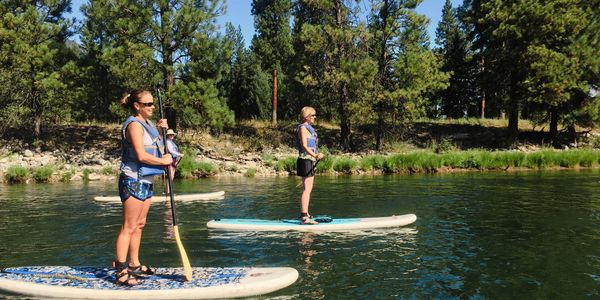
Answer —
187 267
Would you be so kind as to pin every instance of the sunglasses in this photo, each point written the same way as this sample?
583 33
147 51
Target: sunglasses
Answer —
313 115
146 104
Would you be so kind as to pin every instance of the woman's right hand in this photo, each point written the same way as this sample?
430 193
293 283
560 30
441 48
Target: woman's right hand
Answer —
320 155
167 159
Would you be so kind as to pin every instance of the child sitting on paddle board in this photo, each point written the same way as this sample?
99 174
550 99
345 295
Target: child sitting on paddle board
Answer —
141 161
308 155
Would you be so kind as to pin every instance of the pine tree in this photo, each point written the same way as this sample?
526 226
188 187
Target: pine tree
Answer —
342 69
164 43
34 58
272 43
409 73
459 99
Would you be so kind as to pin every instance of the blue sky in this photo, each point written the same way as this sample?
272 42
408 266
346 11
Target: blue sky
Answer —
238 13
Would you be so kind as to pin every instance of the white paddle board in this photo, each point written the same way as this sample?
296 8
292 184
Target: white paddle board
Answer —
166 283
163 198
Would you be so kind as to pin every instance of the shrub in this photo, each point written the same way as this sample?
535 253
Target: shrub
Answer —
190 168
374 162
107 170
86 175
43 174
288 164
344 165
17 174
66 176
250 172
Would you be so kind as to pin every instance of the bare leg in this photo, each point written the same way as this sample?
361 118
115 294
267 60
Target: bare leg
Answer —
305 199
132 209
136 237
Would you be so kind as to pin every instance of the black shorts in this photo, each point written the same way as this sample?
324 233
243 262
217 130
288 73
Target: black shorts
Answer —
304 167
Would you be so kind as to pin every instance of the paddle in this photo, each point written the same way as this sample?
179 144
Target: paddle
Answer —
187 267
311 170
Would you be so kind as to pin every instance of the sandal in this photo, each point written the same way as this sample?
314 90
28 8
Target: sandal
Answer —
141 270
123 271
308 220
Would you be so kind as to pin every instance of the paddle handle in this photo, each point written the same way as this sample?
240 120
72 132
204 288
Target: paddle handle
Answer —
166 151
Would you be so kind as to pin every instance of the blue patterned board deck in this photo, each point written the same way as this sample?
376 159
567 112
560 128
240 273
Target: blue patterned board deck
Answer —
296 225
167 283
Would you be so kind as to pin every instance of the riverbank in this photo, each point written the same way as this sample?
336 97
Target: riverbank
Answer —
91 153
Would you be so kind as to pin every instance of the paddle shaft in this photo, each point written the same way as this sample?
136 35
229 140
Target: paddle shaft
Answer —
166 151
187 267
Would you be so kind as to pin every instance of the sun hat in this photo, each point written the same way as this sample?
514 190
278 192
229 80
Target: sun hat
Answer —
171 132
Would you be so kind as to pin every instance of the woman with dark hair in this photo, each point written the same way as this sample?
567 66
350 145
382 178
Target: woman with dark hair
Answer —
141 161
308 154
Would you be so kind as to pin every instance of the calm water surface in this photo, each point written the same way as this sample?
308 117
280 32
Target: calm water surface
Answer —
478 235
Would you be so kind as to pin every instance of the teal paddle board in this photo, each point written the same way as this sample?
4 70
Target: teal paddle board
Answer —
295 224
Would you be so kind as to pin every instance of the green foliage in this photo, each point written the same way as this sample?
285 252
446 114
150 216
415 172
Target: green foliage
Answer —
442 146
16 174
86 175
288 164
345 165
375 162
149 45
268 159
107 170
188 167
251 172
66 176
333 64
460 96
33 60
43 174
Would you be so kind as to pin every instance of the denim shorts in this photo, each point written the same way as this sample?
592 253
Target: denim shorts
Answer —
133 187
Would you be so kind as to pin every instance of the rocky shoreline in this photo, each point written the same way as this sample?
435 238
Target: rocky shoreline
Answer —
95 164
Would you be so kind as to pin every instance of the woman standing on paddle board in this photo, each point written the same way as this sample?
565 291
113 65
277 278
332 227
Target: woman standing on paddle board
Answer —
308 154
141 161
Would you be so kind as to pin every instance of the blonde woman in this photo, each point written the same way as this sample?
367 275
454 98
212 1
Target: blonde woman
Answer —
308 154
141 161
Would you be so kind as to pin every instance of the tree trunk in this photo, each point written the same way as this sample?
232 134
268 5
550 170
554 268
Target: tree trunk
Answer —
382 77
553 124
513 110
482 89
168 63
275 95
345 126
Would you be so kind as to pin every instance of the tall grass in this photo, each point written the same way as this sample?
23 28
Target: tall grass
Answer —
287 164
344 165
43 174
16 174
188 167
428 161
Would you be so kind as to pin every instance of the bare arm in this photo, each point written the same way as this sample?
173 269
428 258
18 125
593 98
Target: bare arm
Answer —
135 136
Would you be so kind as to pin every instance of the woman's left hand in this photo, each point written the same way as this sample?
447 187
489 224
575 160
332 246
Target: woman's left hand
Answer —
162 123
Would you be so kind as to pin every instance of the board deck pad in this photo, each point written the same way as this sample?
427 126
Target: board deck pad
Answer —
84 282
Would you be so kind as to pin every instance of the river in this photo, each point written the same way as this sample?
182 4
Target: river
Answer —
525 235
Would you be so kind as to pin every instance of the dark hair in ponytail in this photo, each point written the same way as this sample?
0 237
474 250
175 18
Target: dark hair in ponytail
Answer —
132 97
